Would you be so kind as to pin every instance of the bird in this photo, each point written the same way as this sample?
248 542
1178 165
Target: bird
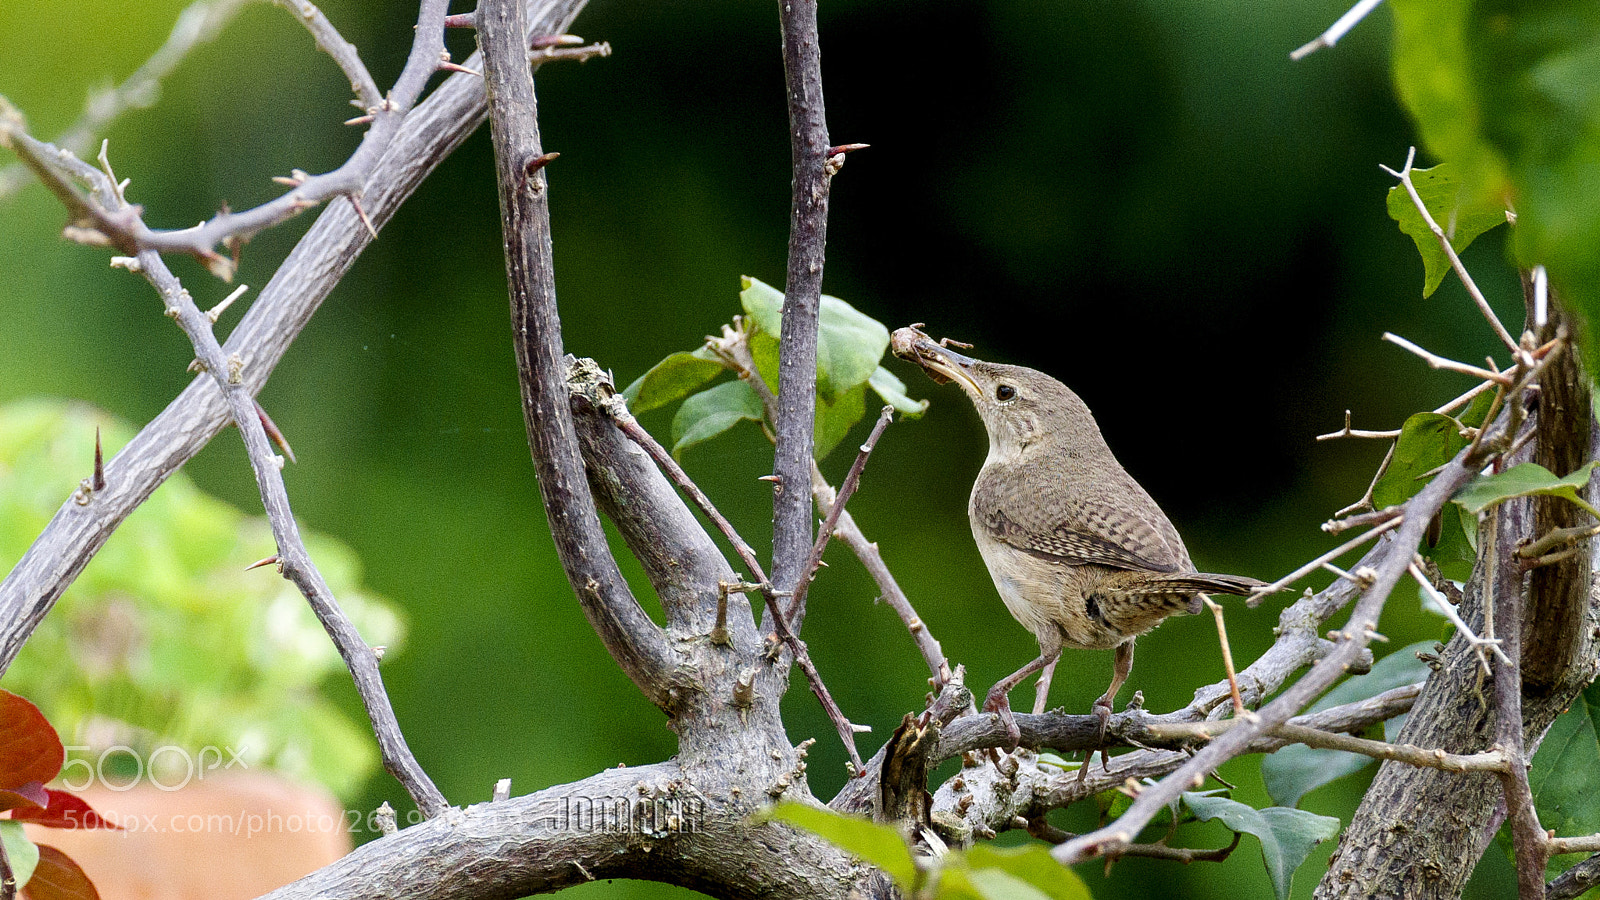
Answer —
1079 552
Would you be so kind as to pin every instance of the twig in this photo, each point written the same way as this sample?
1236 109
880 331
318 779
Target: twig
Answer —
1574 881
321 258
1483 646
1376 517
1042 829
1404 175
1348 432
344 54
1439 362
735 351
747 556
93 223
576 54
797 344
1312 566
1337 30
1503 583
199 23
1487 761
797 606
1227 657
294 560
635 641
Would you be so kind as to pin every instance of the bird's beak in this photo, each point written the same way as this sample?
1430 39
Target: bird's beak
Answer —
940 362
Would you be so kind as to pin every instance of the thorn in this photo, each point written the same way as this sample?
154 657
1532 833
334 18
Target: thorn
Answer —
131 263
537 163
462 20
775 479
447 66
358 120
846 148
99 482
554 40
216 312
263 562
273 432
356 202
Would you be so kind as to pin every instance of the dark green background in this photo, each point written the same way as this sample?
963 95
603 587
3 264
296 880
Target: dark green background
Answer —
1148 200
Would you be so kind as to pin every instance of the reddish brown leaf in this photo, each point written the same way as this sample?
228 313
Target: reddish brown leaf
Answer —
32 795
65 811
30 750
58 878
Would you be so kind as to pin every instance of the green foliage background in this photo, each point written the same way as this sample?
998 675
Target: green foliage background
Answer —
1148 200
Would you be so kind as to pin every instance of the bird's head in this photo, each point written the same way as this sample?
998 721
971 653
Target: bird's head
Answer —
1022 408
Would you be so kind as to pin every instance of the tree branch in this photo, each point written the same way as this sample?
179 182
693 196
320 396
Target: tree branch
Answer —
638 644
797 344
320 259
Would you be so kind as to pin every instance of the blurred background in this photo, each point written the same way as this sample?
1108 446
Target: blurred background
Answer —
1149 201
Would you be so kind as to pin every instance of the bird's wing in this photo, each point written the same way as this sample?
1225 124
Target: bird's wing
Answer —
1077 519
1098 535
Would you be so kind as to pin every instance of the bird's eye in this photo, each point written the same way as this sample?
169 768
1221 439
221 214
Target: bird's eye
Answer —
1004 392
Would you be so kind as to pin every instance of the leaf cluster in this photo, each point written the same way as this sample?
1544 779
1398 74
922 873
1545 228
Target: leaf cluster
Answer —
850 348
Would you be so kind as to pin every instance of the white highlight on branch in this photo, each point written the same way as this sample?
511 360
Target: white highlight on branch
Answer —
215 312
1441 604
1541 296
1337 30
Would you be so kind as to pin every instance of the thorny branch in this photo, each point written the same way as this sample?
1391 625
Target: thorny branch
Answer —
797 344
126 230
293 560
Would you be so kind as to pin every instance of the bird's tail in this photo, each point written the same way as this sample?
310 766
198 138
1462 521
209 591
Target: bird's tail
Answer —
1204 583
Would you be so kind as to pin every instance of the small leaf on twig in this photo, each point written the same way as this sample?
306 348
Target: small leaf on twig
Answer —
1427 441
1286 835
674 378
834 418
849 342
1031 865
893 391
21 853
711 412
1526 480
1442 192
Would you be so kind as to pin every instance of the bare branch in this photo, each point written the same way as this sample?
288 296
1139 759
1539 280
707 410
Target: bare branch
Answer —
190 421
797 344
1337 30
343 53
797 606
1574 881
1439 362
637 643
1312 566
129 234
1404 175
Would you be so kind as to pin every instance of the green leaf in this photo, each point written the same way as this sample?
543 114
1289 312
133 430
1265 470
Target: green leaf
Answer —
893 391
1509 94
1441 191
849 345
1427 441
763 303
1456 553
1526 480
985 884
21 853
713 411
835 417
1297 770
879 845
1286 835
1031 866
849 342
674 378
1565 777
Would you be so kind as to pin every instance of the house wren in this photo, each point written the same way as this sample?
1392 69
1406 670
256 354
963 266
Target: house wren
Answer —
1079 552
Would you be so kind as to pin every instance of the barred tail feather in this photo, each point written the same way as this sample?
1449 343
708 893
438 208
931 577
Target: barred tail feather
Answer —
1201 582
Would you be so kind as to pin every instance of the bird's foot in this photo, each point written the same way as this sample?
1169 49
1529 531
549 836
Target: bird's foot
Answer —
1102 711
1000 704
